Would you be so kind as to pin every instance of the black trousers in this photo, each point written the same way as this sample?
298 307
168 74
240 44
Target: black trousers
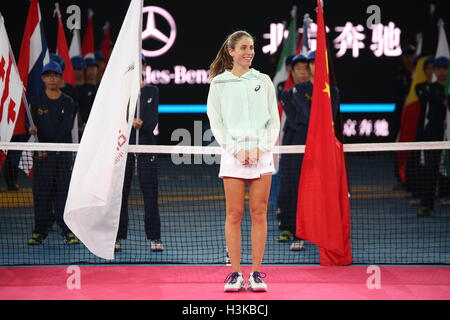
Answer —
290 165
148 180
430 177
10 170
51 180
414 174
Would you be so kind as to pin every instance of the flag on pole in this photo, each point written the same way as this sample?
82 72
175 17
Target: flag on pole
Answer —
442 48
33 56
68 76
62 50
305 38
289 45
302 47
106 44
444 51
88 48
11 87
281 74
75 44
410 117
11 90
93 203
323 209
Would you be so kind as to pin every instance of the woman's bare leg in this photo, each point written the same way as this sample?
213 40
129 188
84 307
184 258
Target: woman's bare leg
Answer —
259 198
234 196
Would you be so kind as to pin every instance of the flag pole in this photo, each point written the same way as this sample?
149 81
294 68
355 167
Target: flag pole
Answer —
138 111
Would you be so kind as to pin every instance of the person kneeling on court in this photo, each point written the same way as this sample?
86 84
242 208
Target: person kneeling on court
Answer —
53 113
142 133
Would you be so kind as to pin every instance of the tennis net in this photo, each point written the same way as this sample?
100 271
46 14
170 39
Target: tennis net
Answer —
387 224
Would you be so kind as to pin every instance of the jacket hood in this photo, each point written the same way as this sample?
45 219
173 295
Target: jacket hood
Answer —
227 76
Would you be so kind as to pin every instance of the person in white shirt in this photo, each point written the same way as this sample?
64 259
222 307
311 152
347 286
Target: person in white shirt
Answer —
243 113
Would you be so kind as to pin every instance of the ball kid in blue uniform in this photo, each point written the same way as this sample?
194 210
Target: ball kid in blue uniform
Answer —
53 114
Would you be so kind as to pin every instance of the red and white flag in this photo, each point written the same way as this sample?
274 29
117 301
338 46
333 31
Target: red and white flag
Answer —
88 47
33 56
62 49
11 90
11 87
106 44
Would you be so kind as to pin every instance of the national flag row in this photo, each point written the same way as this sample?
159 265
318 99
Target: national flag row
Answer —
19 82
94 198
412 107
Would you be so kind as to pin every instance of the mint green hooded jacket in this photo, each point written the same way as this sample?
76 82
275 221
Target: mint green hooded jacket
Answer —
243 111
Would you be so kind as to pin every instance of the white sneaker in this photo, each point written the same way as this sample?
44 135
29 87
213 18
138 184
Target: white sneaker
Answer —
297 245
256 283
156 245
234 282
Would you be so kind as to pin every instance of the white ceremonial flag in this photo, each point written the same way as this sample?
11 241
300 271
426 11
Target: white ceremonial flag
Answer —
11 87
93 204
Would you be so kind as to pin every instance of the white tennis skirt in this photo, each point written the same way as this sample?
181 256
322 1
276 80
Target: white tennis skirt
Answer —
231 167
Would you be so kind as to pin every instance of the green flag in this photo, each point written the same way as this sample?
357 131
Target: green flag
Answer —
289 46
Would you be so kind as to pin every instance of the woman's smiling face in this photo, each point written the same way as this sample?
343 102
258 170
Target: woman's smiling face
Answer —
243 52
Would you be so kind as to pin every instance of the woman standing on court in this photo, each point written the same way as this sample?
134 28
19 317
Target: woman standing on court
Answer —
243 113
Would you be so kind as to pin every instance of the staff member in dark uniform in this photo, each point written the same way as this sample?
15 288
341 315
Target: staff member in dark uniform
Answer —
413 166
433 130
79 67
301 100
65 87
299 73
53 113
87 93
147 170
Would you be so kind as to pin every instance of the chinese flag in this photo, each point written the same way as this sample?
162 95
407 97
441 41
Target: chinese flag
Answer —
323 209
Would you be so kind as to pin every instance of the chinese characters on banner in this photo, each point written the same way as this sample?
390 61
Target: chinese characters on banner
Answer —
366 128
350 39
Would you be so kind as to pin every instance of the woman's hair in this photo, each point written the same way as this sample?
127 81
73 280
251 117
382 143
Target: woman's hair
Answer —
223 59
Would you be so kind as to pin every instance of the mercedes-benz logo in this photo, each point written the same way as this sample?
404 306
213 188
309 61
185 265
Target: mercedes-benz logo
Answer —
151 32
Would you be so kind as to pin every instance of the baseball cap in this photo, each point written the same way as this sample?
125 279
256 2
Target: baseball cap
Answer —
99 56
441 62
289 59
428 60
54 57
52 67
91 62
299 58
78 62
